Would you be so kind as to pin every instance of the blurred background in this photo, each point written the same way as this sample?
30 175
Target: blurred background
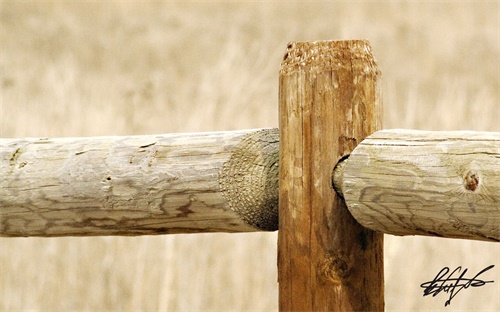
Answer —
125 67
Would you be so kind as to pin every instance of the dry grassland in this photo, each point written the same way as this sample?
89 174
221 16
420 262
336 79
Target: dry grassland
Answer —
116 68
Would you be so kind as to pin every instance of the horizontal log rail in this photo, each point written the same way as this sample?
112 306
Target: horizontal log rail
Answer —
135 185
438 183
401 182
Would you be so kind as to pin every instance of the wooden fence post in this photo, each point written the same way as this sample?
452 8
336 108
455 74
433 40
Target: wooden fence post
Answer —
329 101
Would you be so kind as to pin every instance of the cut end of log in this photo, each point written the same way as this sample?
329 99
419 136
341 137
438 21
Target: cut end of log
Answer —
249 179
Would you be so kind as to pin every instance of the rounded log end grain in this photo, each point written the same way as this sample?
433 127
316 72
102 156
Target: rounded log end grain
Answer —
249 179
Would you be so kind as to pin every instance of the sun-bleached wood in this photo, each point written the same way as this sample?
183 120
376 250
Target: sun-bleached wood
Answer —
438 183
329 101
135 185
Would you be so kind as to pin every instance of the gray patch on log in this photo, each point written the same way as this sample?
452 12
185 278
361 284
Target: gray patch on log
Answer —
249 179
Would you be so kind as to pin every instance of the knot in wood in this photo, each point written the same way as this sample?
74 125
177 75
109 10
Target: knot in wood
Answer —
471 181
335 268
249 179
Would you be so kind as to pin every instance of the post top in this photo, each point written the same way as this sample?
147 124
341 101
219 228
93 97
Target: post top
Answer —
355 55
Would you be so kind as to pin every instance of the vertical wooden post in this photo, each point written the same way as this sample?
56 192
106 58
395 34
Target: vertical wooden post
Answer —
329 101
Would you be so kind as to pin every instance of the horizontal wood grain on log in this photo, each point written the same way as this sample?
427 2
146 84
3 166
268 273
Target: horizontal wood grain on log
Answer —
135 185
400 182
438 183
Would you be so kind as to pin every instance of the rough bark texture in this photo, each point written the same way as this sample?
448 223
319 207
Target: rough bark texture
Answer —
153 184
329 102
437 183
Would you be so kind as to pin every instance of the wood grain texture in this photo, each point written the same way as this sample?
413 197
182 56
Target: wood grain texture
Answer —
152 184
438 183
329 102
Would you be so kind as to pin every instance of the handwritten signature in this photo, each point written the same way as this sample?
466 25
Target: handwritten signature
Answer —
452 285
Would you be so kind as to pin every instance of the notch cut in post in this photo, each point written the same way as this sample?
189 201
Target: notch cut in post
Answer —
329 101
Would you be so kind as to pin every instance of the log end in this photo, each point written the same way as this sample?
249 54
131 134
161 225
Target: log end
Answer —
249 179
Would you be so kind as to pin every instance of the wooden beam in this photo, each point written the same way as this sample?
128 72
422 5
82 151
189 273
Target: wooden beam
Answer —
438 183
329 102
136 185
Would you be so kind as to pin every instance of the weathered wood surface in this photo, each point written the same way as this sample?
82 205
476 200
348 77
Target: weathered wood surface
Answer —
152 184
329 102
438 183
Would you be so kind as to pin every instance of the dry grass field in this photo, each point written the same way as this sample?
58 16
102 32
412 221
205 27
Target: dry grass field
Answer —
124 67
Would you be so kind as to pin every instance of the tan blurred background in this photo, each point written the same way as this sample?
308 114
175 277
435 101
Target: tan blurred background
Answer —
87 69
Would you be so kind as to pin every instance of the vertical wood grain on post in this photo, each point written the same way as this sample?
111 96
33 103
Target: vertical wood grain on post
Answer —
329 101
